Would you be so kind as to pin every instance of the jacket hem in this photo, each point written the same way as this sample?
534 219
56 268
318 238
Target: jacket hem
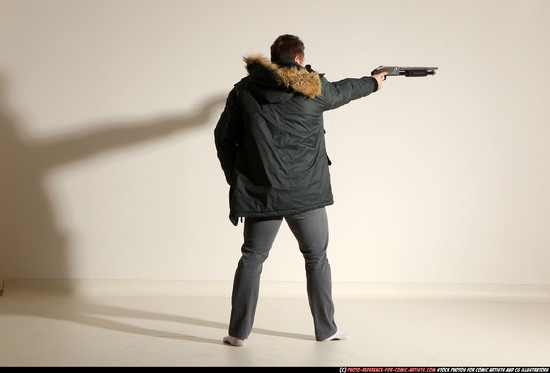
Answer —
234 216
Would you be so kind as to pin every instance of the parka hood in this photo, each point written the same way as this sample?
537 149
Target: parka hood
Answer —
277 82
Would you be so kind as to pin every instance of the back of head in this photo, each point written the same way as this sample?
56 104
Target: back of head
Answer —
287 47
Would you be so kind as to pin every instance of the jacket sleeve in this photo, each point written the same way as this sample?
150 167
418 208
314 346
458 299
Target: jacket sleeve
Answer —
342 92
227 135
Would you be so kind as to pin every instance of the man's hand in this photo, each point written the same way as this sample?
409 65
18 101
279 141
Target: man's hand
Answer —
380 78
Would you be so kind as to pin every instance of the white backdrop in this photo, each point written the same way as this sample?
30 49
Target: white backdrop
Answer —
108 163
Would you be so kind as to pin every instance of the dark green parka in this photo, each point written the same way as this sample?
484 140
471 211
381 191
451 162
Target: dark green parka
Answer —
270 138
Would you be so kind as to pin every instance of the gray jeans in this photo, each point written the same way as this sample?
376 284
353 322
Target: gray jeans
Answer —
311 231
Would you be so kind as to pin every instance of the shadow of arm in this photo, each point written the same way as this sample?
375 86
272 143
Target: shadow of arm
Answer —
109 137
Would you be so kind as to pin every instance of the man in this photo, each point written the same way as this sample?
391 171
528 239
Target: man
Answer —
271 146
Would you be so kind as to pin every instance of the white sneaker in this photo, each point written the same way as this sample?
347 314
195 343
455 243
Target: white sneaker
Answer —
229 340
338 336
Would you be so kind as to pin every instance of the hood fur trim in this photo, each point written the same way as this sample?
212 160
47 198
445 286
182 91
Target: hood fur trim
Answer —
300 80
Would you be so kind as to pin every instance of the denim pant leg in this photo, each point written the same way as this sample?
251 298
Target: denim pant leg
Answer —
259 234
311 230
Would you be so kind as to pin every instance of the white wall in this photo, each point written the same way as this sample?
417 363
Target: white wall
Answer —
108 164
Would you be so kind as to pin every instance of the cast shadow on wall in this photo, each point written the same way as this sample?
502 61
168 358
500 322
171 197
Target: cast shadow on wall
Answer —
31 240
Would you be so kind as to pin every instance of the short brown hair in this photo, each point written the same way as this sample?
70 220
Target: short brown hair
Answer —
286 47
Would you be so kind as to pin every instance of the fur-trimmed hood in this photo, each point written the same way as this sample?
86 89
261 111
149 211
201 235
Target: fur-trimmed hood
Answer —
289 76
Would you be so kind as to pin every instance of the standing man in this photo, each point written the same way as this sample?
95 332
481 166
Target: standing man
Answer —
271 145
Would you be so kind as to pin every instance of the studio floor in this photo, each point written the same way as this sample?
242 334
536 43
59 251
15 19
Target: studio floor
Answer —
116 324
